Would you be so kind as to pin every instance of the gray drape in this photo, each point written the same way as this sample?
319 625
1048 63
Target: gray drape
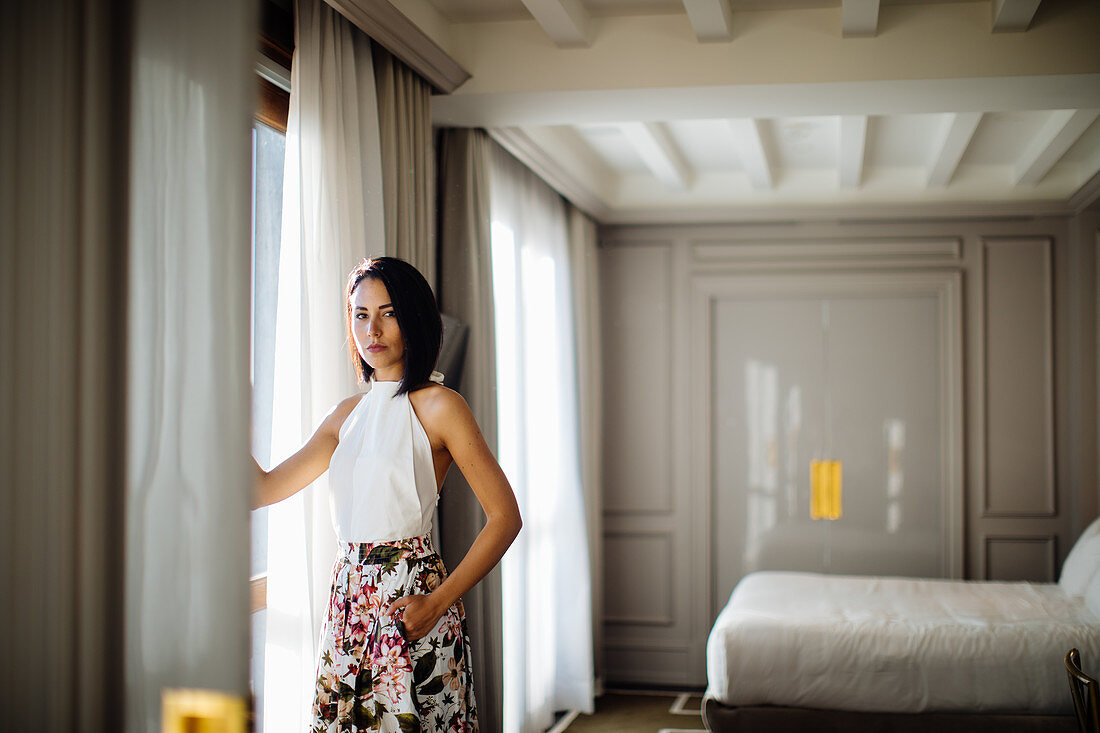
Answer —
123 404
408 171
465 292
64 121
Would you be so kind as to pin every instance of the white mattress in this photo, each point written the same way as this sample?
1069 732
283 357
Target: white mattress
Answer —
897 644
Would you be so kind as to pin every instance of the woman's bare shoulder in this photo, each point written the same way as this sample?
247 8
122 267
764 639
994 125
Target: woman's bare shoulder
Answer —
346 405
339 413
435 403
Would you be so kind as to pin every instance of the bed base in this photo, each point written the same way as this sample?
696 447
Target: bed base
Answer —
721 718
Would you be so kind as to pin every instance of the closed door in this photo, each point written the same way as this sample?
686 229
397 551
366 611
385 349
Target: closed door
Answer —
834 369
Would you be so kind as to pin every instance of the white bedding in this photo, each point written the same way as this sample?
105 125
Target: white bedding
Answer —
897 644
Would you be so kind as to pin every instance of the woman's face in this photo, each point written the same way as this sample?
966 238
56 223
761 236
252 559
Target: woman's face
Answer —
374 326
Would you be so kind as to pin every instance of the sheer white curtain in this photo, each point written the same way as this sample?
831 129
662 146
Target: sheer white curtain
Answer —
332 217
546 581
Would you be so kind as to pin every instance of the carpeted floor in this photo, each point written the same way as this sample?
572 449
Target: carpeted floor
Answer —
642 712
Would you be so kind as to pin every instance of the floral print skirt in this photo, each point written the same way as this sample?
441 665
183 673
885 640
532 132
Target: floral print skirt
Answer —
369 676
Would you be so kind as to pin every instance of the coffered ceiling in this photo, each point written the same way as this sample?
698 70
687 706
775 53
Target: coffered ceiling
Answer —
727 110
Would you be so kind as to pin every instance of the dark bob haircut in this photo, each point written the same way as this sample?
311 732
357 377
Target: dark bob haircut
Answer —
417 317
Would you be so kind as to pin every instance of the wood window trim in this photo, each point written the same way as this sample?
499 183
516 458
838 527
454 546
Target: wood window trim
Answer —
278 54
258 593
272 105
277 44
276 33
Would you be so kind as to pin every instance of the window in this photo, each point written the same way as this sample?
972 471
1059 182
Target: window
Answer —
546 620
268 150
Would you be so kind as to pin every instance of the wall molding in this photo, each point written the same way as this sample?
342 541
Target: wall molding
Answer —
1087 195
1049 540
659 366
647 646
847 252
653 662
665 618
1051 495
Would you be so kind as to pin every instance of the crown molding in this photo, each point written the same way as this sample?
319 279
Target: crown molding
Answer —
1087 196
550 170
840 214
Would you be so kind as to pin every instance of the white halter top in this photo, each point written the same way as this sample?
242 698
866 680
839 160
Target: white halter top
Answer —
381 475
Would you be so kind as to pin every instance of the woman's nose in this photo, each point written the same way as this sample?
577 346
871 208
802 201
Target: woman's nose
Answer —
373 326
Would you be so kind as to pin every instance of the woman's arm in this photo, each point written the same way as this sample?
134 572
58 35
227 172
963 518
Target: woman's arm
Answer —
302 468
452 420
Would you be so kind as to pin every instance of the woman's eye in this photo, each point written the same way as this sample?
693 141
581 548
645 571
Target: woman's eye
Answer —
391 314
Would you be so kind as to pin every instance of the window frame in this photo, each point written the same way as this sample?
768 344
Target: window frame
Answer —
272 109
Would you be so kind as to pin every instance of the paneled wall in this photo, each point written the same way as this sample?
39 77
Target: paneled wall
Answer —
1019 514
987 331
648 612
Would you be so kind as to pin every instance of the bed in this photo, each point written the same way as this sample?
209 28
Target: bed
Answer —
807 651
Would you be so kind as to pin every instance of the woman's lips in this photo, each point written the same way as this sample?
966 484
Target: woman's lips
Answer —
375 348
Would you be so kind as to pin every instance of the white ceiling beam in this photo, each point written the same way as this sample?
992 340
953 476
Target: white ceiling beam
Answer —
957 134
659 152
565 21
913 96
712 20
749 142
1013 16
1057 134
853 144
859 18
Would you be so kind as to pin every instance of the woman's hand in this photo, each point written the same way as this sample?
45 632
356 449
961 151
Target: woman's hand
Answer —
420 615
451 428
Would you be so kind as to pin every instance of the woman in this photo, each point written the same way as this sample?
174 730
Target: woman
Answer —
394 652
